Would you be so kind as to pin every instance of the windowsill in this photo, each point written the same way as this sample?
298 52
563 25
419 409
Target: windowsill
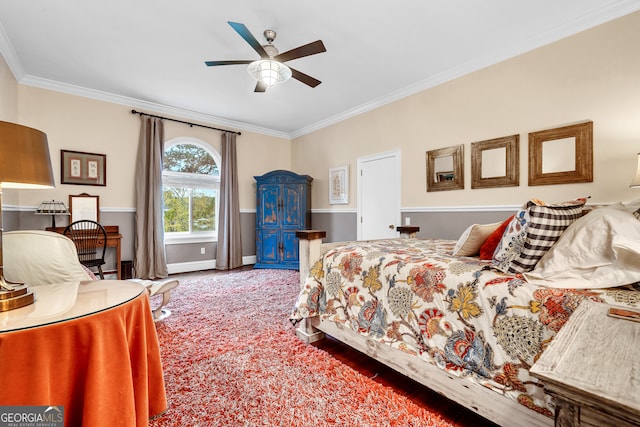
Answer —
181 240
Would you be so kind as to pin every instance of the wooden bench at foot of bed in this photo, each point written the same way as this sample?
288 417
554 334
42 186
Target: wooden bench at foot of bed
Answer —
481 400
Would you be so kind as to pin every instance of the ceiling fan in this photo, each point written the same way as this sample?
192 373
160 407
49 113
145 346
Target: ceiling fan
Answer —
270 68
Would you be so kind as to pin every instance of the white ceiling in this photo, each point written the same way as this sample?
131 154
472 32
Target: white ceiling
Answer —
150 53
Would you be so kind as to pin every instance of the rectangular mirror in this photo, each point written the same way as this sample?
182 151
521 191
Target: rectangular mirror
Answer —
563 155
496 162
559 155
445 169
84 206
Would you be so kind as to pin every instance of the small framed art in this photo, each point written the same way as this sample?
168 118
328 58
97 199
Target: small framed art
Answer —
339 185
77 167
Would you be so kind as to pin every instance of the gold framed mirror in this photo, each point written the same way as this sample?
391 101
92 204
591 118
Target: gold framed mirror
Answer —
445 169
563 155
496 162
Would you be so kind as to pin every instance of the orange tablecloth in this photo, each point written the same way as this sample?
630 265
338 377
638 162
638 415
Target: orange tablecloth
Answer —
104 368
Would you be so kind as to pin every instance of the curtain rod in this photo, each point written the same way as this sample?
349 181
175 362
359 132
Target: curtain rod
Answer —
183 122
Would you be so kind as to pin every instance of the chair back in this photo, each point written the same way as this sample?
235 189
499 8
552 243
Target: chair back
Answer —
91 241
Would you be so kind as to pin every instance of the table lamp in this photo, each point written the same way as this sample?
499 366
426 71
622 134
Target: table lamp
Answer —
24 163
53 208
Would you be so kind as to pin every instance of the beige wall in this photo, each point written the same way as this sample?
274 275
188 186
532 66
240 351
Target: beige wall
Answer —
594 75
8 112
83 124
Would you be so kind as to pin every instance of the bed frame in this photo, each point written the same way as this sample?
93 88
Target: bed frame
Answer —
487 403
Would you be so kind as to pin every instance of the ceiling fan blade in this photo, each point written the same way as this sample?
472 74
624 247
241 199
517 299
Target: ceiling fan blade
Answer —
260 87
214 63
302 51
304 78
248 37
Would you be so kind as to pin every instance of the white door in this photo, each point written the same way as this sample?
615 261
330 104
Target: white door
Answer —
378 196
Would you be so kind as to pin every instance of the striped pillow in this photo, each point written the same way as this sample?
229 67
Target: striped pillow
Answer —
532 232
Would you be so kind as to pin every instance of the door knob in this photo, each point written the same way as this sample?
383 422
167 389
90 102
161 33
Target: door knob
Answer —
391 227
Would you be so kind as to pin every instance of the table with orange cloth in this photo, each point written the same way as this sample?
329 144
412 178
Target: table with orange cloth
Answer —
90 347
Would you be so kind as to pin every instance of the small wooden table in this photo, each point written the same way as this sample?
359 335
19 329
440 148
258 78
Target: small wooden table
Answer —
113 241
592 369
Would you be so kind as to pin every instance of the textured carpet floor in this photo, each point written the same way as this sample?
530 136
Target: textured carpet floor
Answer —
231 358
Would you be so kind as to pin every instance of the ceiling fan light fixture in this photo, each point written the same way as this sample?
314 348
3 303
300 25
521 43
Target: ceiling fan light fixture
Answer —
269 72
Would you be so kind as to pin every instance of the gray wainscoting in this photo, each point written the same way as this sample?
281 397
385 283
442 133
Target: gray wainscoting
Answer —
450 225
340 226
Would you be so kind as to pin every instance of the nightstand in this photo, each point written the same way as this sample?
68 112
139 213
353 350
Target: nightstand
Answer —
592 369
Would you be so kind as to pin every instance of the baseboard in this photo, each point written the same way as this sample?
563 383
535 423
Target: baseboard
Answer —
186 267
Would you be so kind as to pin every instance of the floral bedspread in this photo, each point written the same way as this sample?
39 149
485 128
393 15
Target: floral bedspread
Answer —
454 312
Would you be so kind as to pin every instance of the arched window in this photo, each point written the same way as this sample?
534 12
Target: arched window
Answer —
190 184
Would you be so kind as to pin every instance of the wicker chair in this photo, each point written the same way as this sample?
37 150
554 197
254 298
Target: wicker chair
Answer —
90 239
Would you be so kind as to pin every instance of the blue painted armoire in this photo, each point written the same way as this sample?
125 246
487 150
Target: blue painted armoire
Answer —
283 206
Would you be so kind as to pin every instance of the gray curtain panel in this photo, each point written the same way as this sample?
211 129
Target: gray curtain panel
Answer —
229 254
150 258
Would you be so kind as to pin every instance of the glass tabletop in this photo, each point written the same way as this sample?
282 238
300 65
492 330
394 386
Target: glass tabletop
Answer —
65 301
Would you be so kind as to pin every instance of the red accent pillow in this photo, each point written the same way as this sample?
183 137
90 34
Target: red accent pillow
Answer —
489 246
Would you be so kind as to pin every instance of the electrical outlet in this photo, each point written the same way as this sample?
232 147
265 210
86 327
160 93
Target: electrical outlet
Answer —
202 251
407 220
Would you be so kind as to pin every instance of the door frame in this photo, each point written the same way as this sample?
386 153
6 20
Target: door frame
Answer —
396 198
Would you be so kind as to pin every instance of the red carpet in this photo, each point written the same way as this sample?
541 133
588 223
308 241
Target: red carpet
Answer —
231 358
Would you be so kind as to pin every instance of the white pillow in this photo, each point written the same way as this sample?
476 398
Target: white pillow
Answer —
599 250
473 237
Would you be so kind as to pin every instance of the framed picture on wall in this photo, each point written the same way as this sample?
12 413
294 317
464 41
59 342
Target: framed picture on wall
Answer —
339 185
80 168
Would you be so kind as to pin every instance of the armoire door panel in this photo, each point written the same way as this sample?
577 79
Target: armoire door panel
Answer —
290 247
269 206
268 250
292 201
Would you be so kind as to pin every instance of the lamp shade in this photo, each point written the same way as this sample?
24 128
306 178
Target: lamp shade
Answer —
24 163
636 179
24 157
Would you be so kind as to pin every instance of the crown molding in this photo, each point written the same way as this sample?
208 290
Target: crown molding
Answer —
14 64
137 103
587 21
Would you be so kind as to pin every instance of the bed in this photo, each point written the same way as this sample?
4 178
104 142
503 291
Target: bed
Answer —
466 327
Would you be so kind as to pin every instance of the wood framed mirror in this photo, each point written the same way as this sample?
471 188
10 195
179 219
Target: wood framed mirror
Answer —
445 169
496 162
563 155
84 206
